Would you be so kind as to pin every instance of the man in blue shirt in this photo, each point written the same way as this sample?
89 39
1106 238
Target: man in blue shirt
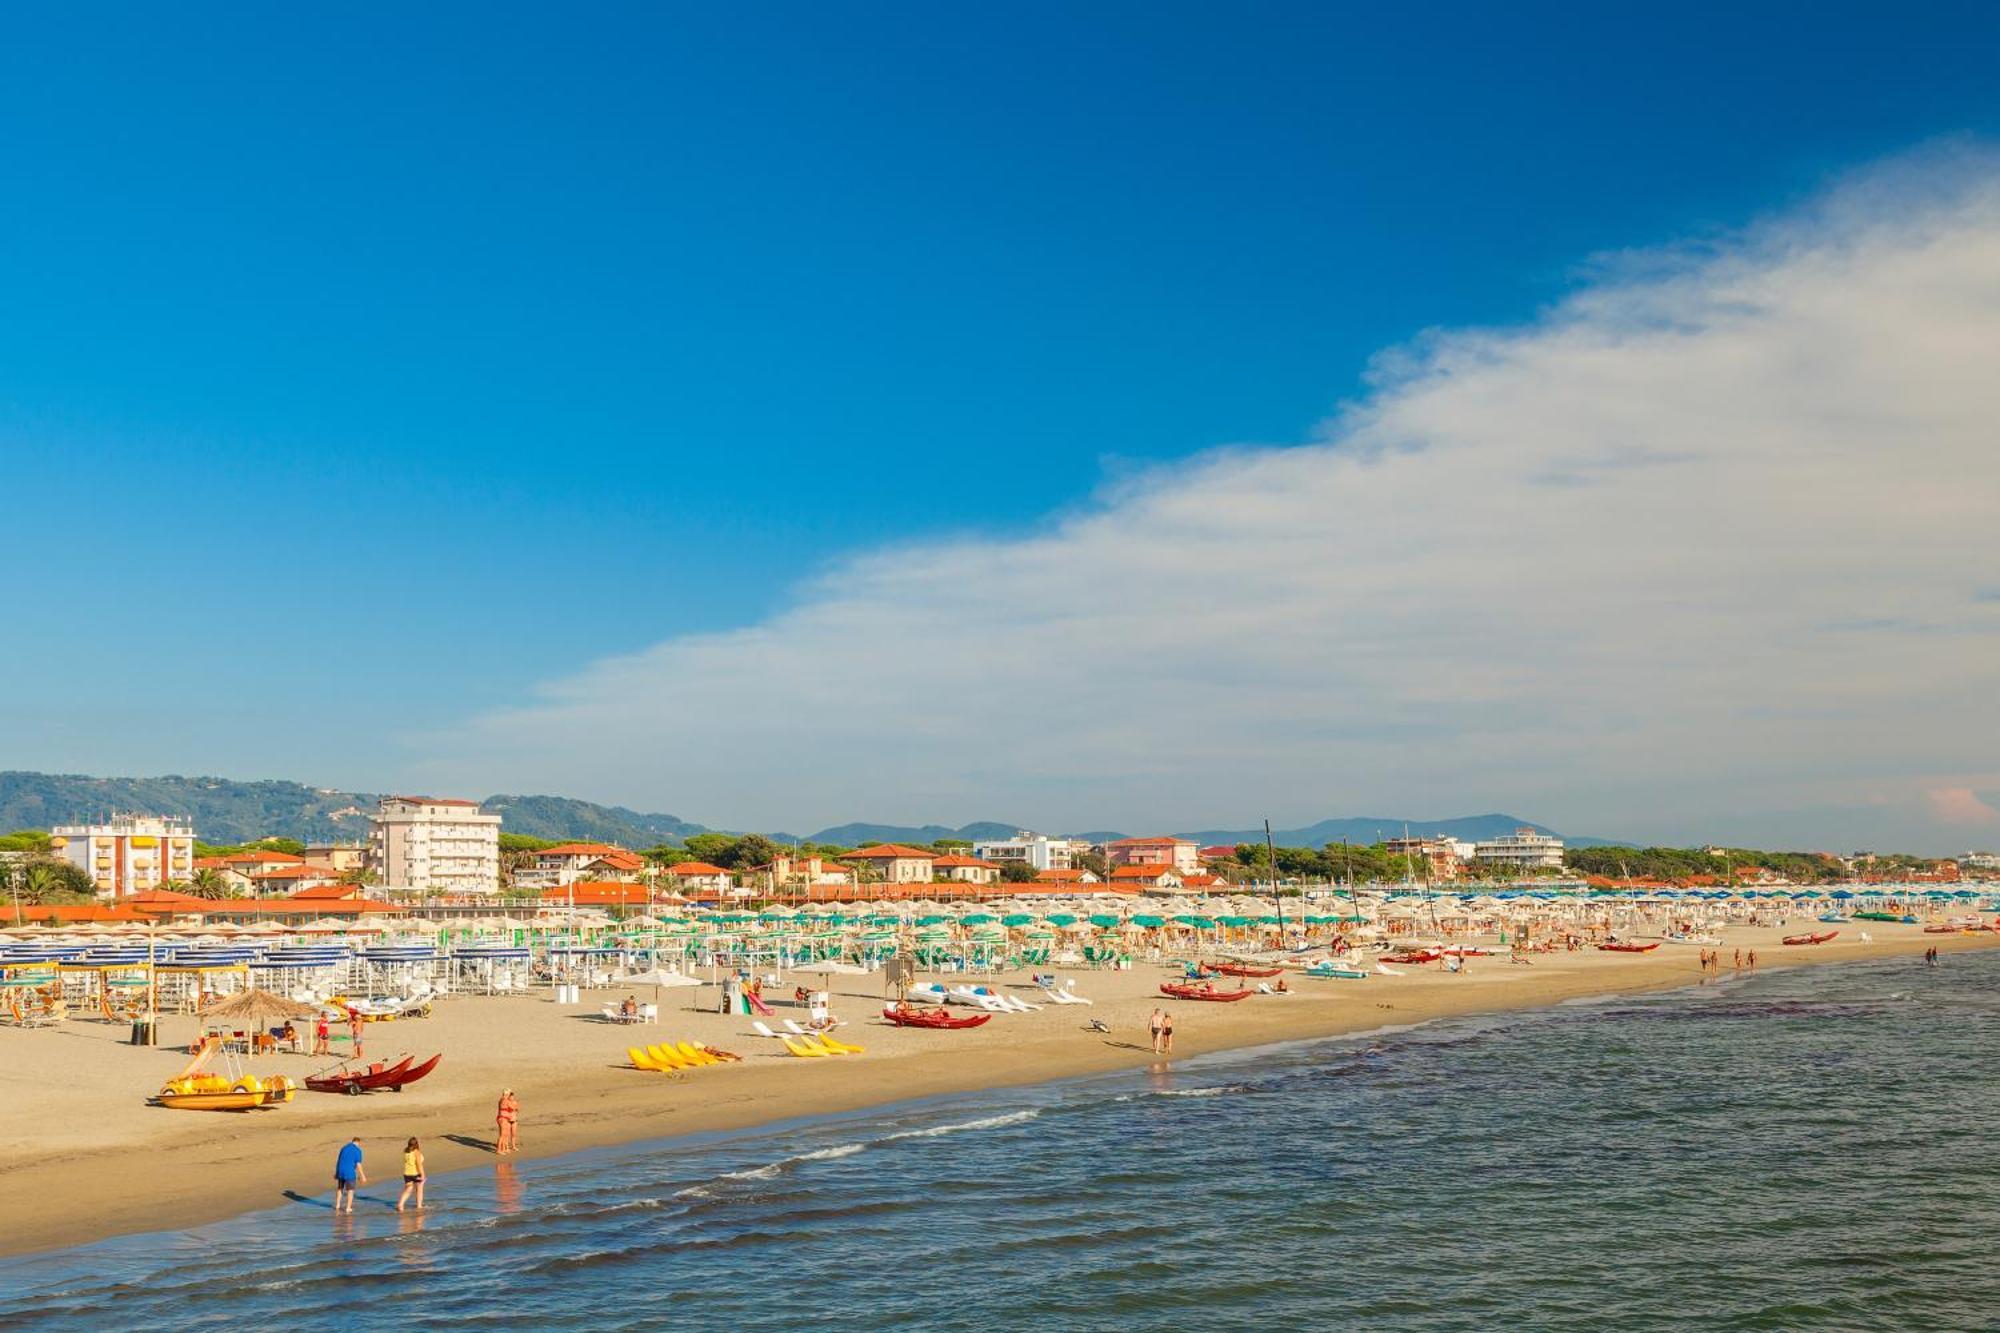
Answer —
347 1173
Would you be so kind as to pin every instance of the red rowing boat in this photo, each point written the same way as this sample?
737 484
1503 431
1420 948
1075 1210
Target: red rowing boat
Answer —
1625 946
410 1076
1242 970
1820 937
907 1016
353 1082
1202 992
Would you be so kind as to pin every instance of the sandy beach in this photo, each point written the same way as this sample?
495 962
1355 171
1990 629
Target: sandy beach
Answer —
82 1156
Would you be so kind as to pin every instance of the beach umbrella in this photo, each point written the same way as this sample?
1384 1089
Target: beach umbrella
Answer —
252 1005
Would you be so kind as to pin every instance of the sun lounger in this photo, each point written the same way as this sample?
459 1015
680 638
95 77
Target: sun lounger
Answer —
800 1049
758 1026
839 1047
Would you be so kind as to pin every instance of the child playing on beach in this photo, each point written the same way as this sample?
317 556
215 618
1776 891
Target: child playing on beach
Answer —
413 1175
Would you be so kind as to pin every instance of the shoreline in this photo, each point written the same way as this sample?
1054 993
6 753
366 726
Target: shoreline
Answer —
64 1185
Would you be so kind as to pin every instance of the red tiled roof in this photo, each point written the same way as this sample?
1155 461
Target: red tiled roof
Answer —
328 892
1141 872
892 851
609 892
623 860
1061 876
579 849
956 860
695 868
67 914
164 898
1066 887
278 907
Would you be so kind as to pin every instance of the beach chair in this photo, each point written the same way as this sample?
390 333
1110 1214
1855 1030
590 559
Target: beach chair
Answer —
802 1050
649 1013
840 1047
758 1026
643 1060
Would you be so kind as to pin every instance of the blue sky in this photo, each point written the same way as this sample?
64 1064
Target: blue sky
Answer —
413 360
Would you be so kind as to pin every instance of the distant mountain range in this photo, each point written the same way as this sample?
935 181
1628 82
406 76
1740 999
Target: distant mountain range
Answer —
226 811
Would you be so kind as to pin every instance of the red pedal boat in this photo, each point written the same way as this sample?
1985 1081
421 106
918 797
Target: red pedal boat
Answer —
354 1082
1202 992
1820 937
1242 970
1625 946
907 1016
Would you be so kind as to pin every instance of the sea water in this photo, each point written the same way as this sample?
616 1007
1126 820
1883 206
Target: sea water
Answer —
1805 1149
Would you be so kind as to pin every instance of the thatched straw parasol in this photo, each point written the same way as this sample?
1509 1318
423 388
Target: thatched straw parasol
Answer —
255 1006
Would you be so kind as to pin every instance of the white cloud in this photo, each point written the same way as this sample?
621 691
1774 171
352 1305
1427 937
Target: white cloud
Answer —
1715 535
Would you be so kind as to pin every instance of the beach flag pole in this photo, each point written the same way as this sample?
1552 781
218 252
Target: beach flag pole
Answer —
1272 853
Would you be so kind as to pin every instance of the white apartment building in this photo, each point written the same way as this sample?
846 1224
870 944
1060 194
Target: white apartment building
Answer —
128 854
1523 848
1032 849
434 845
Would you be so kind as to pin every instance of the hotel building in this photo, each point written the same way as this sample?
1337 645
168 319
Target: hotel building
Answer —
433 845
128 854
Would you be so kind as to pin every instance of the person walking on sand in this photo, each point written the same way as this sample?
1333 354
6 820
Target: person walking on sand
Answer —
354 1029
1166 1033
347 1173
506 1121
1159 1017
413 1175
1739 960
1752 960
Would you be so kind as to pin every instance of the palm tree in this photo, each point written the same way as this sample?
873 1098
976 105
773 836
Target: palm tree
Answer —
208 882
43 882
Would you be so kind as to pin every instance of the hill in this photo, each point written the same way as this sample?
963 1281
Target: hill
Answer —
859 835
564 817
1363 830
222 810
227 811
